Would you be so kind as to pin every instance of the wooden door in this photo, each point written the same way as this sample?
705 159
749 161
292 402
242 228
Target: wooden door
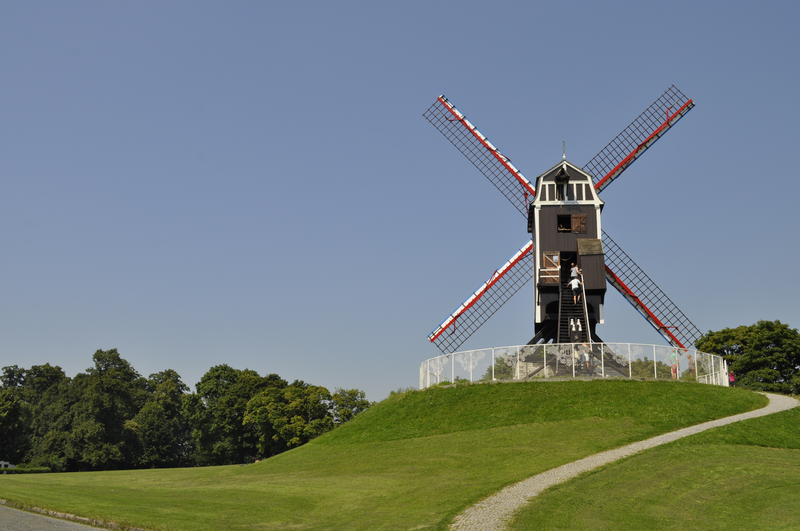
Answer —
549 272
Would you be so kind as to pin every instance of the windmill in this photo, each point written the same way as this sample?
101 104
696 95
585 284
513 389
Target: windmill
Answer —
563 208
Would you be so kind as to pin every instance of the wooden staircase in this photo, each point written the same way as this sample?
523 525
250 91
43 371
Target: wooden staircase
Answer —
573 325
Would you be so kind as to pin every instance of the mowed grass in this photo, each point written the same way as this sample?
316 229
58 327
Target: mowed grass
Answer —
742 476
411 462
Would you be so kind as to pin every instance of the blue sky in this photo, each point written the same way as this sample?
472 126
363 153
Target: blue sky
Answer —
253 183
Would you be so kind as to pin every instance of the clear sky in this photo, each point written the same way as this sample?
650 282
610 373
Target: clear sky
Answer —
253 183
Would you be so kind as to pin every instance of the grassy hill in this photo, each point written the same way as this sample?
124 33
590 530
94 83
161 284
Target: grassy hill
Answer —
741 476
411 462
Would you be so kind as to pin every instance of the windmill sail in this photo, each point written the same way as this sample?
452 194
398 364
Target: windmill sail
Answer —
484 302
635 139
648 299
480 152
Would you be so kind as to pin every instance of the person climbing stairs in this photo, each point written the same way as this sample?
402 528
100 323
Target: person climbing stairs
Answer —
572 322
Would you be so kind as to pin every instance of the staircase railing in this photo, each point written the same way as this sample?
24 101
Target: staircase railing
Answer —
586 312
560 296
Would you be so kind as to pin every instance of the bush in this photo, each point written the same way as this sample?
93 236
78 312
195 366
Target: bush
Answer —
27 470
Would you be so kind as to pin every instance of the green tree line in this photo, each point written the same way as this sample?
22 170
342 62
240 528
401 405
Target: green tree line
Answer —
110 417
763 357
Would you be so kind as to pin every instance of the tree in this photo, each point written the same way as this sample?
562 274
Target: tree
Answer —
347 403
503 370
14 415
304 415
23 391
261 409
764 356
112 392
13 435
643 368
111 418
51 428
163 432
84 423
40 378
288 417
216 414
12 377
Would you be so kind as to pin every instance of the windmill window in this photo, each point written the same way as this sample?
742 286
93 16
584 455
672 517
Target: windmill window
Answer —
575 223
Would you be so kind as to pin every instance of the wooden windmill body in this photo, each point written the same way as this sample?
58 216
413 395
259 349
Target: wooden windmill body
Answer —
564 220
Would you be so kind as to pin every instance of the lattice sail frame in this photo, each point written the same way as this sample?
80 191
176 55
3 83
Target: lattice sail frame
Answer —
648 299
635 139
498 168
484 302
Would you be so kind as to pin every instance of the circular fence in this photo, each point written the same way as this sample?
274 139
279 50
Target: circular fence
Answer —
571 360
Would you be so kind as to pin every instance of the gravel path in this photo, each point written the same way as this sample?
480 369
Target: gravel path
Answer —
493 513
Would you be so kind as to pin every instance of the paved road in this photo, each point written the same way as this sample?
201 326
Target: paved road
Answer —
16 520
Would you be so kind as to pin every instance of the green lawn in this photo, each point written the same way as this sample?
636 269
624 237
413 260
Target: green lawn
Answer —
411 462
742 476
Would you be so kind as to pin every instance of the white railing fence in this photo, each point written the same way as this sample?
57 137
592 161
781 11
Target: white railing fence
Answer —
570 360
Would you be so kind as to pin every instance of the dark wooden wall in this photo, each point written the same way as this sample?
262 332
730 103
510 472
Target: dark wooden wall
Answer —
594 271
552 240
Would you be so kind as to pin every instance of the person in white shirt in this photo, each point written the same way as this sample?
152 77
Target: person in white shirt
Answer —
575 284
